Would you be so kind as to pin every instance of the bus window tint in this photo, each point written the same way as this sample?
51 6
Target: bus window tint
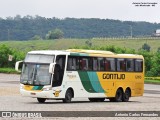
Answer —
121 64
138 65
72 64
130 65
100 64
90 64
109 64
95 64
83 64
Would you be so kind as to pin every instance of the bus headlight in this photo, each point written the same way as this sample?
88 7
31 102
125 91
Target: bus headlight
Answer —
21 87
47 89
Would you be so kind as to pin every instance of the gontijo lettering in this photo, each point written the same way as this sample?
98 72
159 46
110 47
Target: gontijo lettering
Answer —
114 76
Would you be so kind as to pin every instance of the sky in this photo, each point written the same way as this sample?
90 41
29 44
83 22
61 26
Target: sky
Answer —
124 10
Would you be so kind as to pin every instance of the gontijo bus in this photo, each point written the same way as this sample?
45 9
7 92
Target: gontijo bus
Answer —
76 73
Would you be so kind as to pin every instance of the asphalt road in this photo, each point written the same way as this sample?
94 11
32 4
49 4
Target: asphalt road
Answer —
11 100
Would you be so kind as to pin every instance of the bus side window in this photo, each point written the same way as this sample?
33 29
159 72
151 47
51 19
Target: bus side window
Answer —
121 64
100 64
90 64
138 65
95 64
110 64
83 63
72 63
130 65
107 66
69 64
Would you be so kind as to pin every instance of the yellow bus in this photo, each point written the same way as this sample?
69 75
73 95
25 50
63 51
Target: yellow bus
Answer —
78 73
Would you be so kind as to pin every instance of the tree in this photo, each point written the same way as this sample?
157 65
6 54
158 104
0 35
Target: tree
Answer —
155 65
148 56
36 37
5 51
55 34
158 50
146 47
88 43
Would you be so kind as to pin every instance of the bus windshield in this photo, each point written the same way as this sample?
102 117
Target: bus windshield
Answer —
35 74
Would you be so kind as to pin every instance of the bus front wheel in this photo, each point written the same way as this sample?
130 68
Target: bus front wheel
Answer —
41 100
68 96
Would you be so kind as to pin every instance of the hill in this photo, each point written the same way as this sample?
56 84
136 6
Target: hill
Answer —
24 28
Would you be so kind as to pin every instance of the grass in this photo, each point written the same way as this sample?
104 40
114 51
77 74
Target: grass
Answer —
152 80
70 43
8 71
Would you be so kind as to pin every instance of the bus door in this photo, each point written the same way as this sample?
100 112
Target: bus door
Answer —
59 70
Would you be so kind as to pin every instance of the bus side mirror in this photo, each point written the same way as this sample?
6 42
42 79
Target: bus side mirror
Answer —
17 66
51 68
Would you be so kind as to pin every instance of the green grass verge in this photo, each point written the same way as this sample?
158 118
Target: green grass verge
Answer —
8 71
151 81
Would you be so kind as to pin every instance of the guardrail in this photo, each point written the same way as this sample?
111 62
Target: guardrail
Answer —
128 38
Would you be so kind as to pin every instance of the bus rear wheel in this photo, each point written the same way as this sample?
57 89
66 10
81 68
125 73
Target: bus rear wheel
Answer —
68 96
119 96
41 100
126 95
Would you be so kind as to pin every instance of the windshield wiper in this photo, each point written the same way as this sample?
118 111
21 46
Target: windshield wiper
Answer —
38 83
26 83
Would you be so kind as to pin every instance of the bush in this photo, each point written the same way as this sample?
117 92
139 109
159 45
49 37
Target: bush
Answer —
146 47
55 34
5 51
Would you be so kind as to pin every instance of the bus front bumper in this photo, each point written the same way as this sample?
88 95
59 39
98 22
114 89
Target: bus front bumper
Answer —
42 94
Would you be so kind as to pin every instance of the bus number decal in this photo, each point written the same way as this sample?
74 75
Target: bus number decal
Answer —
138 77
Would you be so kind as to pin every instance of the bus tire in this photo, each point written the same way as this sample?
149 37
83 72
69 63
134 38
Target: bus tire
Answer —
68 96
119 95
41 100
126 95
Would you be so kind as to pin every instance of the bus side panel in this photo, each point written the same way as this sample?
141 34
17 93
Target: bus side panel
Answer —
104 84
111 81
81 84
